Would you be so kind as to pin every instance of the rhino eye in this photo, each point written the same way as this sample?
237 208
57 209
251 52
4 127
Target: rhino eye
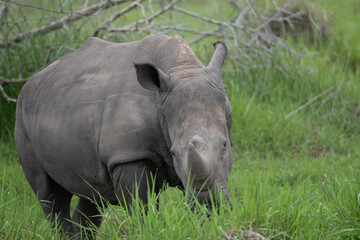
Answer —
223 143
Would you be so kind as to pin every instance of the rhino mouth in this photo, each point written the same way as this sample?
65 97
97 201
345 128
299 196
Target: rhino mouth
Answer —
209 198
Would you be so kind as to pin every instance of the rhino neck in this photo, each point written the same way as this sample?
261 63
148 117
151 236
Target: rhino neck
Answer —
162 121
172 177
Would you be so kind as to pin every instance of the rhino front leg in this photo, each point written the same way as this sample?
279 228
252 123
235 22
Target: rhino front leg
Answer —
135 179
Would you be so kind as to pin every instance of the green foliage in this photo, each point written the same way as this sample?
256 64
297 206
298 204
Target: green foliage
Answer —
295 130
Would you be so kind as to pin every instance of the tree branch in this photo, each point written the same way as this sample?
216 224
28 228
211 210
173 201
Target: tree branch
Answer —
5 96
105 24
37 7
308 102
135 25
65 20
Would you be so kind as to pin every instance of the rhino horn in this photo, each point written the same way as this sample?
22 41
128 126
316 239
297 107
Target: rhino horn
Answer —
218 57
199 166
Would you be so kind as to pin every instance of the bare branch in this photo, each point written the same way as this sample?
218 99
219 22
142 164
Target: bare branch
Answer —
116 16
308 102
47 58
341 81
38 7
205 35
195 15
135 25
247 32
12 81
3 13
189 30
5 96
65 20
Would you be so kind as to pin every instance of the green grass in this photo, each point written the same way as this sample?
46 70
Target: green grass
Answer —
294 176
304 198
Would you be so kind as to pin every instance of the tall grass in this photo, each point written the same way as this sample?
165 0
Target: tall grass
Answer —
303 198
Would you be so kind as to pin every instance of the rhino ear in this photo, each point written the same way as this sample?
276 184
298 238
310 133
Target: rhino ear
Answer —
218 57
151 77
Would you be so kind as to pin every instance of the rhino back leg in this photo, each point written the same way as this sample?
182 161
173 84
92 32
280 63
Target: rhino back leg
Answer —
54 199
136 179
87 214
55 202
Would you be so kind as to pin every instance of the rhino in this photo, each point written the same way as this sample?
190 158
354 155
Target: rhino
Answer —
114 120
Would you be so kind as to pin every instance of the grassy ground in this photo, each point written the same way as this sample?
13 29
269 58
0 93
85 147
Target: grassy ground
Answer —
296 171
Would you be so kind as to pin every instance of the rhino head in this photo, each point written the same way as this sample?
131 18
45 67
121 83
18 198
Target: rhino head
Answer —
195 116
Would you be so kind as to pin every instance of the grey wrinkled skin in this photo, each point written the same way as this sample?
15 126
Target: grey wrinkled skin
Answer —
110 115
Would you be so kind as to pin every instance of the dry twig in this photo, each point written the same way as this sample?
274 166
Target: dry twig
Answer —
106 24
65 20
136 25
5 96
308 102
341 82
